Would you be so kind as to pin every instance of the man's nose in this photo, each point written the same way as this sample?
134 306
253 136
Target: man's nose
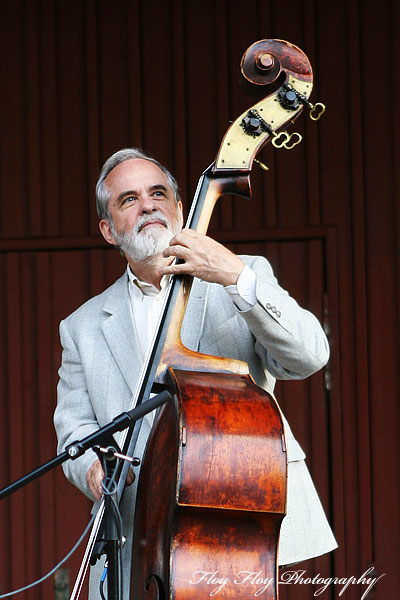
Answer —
148 204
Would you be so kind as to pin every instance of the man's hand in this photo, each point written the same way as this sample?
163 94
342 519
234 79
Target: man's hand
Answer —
95 475
203 258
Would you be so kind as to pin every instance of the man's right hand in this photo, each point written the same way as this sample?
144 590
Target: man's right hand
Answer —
95 475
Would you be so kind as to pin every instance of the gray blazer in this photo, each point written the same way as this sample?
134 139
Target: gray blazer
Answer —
101 363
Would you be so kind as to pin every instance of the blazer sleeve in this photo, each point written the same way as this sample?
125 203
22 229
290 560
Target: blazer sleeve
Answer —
74 418
289 339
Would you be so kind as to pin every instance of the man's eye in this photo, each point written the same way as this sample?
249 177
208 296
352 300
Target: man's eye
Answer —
128 199
159 194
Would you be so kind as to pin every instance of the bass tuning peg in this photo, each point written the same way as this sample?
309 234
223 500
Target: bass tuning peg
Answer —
284 140
316 111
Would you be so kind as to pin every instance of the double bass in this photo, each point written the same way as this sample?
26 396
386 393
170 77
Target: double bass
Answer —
212 486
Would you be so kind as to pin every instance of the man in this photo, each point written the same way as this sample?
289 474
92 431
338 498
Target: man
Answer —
236 309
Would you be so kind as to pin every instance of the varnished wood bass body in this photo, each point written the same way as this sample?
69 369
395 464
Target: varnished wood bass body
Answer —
213 494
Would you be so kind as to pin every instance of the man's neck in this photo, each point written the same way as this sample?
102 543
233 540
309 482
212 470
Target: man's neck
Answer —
147 270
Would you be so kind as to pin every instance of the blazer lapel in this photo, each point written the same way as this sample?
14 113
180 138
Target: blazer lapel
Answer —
193 321
120 334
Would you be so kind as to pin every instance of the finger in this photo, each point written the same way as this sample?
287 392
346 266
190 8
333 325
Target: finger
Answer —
182 268
180 239
177 251
130 478
186 237
94 488
186 231
94 478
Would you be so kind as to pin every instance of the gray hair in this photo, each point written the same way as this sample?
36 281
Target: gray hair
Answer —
103 193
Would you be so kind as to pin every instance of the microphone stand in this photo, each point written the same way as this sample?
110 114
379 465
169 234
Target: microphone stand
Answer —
111 541
95 441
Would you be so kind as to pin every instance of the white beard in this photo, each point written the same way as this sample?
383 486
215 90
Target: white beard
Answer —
140 244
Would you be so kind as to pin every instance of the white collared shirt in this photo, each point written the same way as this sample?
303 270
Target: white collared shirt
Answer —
147 302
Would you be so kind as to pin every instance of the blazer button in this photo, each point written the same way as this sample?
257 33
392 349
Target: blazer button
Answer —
268 306
278 313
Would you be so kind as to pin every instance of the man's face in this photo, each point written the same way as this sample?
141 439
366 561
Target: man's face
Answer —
143 210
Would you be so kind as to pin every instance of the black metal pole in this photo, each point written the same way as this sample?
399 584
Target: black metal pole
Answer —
112 536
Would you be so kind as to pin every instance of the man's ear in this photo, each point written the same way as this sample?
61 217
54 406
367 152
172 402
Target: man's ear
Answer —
106 232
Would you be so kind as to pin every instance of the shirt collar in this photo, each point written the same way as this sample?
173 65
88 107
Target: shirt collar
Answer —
143 288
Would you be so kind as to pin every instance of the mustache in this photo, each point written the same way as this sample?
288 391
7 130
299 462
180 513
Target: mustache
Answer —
156 216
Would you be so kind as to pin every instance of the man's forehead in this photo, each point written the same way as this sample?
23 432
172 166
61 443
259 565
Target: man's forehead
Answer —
136 170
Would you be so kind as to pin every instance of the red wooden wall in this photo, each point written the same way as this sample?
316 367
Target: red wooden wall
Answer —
80 79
